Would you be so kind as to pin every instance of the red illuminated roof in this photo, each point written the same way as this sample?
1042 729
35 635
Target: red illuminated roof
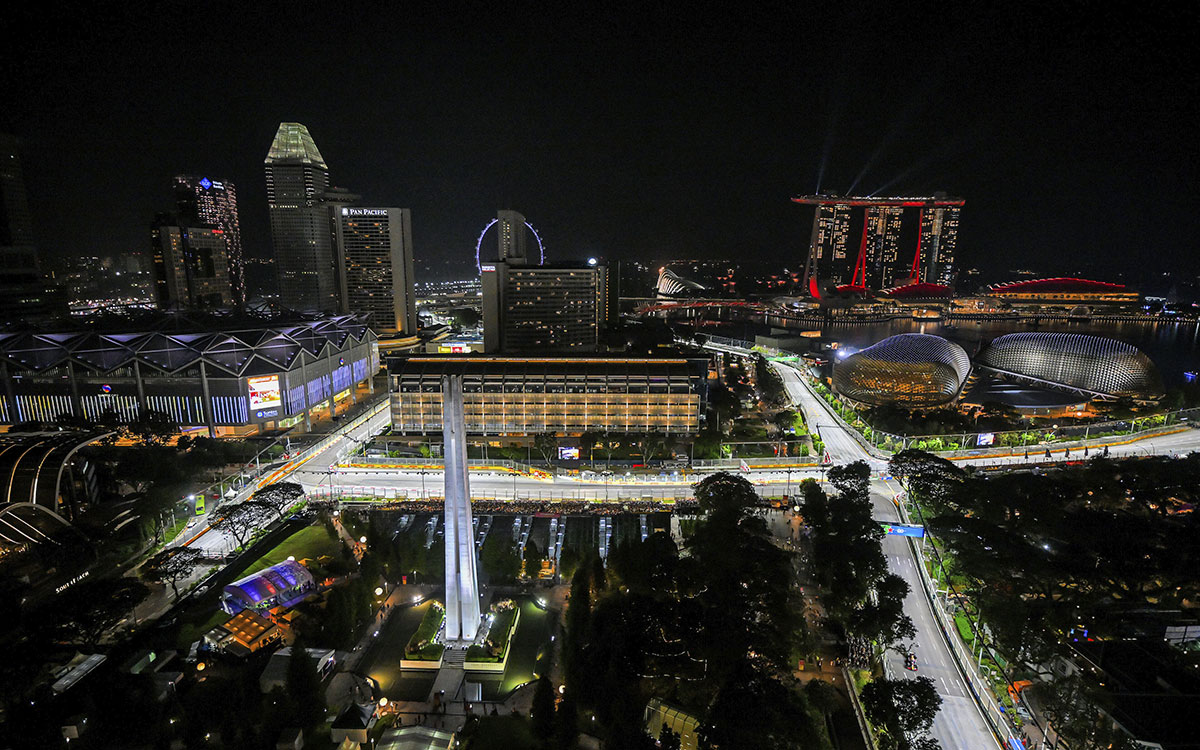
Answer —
834 200
1058 284
919 290
852 289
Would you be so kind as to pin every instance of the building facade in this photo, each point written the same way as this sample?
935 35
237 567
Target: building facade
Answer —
191 269
910 370
1100 367
297 182
24 292
201 201
236 381
879 243
565 395
1067 291
513 240
557 308
375 256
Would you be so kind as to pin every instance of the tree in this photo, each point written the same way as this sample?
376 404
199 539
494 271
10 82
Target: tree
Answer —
587 443
279 496
533 558
668 740
566 723
171 565
725 492
723 400
498 557
95 606
304 687
242 520
903 710
823 696
546 444
151 427
541 713
784 420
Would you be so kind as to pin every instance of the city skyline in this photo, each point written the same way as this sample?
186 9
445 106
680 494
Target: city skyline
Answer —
684 146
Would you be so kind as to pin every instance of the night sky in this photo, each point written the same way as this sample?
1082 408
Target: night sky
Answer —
649 135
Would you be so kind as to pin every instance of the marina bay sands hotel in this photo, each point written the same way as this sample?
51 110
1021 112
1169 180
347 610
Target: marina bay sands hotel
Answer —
861 244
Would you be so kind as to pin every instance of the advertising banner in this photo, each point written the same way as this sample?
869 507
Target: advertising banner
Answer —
264 392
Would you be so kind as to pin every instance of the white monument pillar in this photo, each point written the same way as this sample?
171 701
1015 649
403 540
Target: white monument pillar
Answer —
462 582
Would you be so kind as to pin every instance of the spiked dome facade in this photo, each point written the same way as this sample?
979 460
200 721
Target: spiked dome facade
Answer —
1097 366
234 380
913 370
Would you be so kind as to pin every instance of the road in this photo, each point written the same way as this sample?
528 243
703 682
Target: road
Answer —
958 723
314 465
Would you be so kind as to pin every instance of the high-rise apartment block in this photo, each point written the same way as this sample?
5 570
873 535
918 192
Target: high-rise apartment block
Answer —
202 201
513 239
880 243
297 182
375 260
23 291
191 269
560 308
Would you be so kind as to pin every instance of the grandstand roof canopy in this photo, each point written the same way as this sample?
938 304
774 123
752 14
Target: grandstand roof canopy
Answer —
236 350
1055 285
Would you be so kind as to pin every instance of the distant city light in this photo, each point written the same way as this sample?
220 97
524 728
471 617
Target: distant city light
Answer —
592 261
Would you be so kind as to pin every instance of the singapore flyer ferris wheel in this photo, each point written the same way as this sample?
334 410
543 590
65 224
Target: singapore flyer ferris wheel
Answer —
490 224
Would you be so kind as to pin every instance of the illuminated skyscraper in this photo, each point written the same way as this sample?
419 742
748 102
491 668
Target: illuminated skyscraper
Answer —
879 243
938 239
297 180
208 202
190 266
375 257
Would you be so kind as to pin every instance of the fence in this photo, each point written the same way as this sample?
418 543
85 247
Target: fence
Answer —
248 477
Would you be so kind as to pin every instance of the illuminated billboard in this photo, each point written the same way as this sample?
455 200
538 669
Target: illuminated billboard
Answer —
264 392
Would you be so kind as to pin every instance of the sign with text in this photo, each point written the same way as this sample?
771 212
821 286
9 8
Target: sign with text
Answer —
902 529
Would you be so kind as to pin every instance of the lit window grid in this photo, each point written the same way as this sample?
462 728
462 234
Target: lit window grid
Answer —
524 413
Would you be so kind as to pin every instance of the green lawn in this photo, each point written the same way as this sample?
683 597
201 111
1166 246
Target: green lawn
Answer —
311 543
964 628
192 629
430 624
497 634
